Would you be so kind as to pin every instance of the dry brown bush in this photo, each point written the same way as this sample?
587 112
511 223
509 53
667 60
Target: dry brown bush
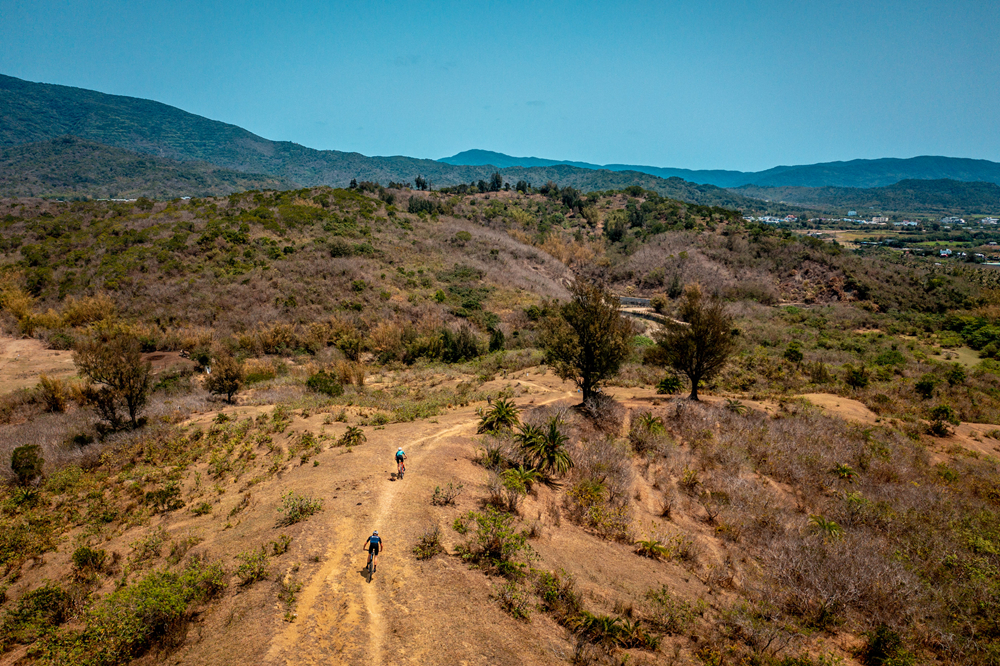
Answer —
83 311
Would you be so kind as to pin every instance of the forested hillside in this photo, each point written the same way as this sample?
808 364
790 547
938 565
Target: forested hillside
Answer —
73 168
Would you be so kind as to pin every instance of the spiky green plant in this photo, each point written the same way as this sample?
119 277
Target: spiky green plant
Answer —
546 448
828 528
353 436
502 417
736 407
651 548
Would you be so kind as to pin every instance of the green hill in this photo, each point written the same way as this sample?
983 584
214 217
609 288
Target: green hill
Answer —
70 167
854 173
928 197
36 112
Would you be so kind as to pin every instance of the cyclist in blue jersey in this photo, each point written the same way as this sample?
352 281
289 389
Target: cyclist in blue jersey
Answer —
373 545
400 464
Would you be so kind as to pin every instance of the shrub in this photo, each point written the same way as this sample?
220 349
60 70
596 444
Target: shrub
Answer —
87 561
672 615
669 385
429 545
794 353
558 594
201 509
651 548
52 393
35 613
513 600
884 647
130 620
325 383
281 546
446 496
942 418
956 374
165 499
545 448
925 386
113 361
253 566
856 377
497 545
26 462
297 508
607 414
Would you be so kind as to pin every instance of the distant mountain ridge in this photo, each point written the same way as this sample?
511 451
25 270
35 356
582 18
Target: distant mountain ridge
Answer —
854 173
939 197
35 113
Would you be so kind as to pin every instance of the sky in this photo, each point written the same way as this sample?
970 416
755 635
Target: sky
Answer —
699 84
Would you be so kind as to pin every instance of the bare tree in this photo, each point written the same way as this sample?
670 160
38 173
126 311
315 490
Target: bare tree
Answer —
700 344
589 339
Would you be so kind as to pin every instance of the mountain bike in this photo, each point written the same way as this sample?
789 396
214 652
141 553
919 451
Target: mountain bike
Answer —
400 468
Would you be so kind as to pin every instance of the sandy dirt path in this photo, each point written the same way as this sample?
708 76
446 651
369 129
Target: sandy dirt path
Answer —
344 618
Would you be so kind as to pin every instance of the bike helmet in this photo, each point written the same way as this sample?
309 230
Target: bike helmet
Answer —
375 532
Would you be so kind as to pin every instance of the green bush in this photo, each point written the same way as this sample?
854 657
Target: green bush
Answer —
501 417
322 382
253 566
35 613
130 620
925 386
856 377
353 436
884 647
26 462
669 385
88 561
794 353
497 545
429 545
297 508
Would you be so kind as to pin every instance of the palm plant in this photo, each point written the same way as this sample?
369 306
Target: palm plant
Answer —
652 424
736 407
828 528
522 475
352 437
546 449
651 548
501 417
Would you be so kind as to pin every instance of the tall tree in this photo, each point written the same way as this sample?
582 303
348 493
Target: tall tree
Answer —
112 359
589 339
701 342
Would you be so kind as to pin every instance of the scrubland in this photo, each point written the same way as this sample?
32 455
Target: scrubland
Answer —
753 527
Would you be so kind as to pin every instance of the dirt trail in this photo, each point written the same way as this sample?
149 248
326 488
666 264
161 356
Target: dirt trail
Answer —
341 616
330 607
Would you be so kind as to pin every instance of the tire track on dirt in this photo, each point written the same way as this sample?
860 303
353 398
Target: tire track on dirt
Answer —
322 632
376 628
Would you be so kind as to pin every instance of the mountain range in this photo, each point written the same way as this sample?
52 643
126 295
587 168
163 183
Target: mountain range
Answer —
33 114
71 141
854 173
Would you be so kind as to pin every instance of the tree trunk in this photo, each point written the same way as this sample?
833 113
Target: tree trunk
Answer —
694 388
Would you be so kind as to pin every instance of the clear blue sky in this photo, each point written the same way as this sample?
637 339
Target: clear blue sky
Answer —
692 83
